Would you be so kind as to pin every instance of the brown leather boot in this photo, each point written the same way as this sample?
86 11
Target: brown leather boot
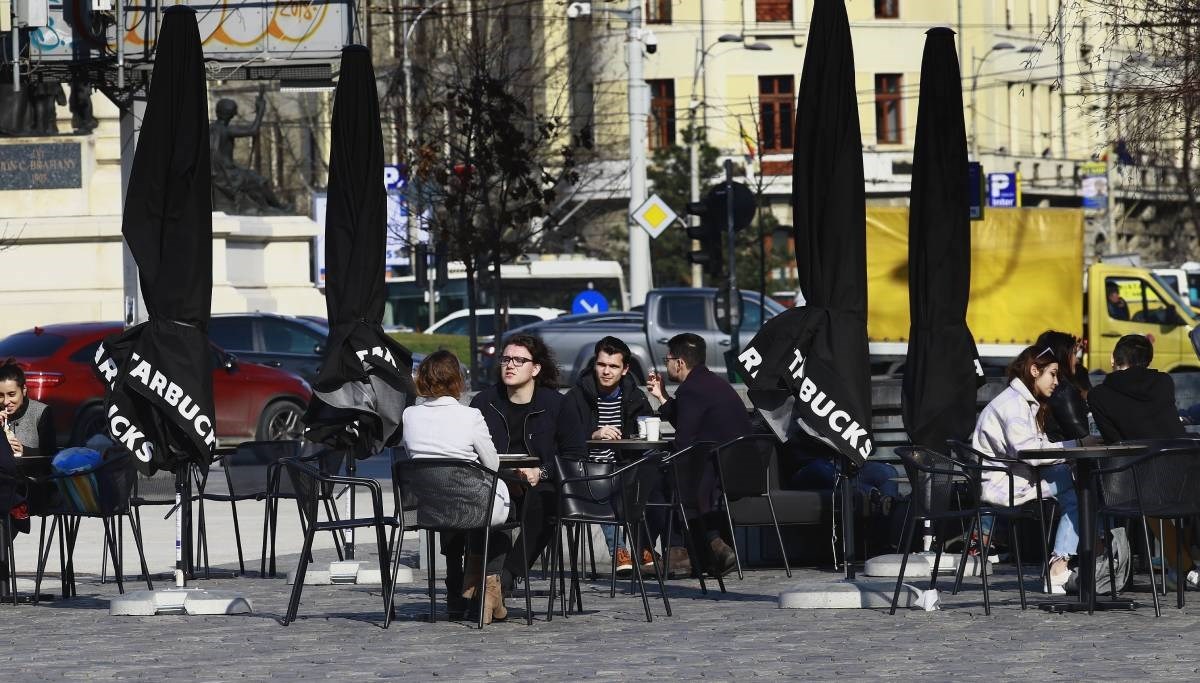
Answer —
473 573
493 601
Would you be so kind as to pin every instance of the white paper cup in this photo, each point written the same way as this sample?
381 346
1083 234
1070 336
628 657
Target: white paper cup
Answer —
653 428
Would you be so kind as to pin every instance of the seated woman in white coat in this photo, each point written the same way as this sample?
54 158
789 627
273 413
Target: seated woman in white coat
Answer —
1014 421
441 427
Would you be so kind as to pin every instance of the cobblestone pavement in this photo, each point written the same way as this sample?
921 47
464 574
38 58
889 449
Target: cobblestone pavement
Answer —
739 635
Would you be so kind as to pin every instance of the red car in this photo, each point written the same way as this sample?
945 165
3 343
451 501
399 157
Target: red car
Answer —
252 401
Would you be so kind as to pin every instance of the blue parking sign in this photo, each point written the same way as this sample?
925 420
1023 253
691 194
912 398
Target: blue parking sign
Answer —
1003 189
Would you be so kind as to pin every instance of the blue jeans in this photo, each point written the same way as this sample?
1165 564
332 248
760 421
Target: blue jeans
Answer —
822 474
613 536
1057 483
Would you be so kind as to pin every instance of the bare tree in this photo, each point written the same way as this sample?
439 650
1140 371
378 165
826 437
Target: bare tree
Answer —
495 149
1143 88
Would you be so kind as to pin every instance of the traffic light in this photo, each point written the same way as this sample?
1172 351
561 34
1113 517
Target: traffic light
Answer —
710 234
420 264
441 262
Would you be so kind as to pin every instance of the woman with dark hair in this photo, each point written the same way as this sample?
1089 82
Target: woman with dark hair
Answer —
526 414
441 427
1068 415
1015 421
28 424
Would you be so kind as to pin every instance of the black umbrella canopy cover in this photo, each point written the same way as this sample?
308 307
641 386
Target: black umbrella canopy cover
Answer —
366 381
808 368
942 371
159 374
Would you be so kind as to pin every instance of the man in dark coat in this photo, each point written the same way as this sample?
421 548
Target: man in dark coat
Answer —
1138 402
608 402
705 408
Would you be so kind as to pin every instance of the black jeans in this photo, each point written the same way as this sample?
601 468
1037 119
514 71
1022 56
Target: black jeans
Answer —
536 507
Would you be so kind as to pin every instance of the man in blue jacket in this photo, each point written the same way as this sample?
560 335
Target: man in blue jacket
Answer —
525 414
705 408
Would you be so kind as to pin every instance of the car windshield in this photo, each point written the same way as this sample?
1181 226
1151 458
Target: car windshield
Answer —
1182 307
30 345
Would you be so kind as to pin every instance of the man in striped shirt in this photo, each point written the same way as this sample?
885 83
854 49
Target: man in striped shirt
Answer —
609 403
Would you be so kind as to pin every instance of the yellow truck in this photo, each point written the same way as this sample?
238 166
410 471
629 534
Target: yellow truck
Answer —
1028 276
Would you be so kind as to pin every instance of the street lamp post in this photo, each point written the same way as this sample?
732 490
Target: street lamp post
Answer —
694 142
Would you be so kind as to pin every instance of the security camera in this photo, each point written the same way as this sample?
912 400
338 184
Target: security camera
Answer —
651 41
579 9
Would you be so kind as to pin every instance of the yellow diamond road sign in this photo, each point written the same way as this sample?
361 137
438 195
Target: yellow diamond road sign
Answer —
654 215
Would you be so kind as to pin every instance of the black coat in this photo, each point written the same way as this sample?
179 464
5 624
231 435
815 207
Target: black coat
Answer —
706 408
1068 416
584 395
1137 403
550 429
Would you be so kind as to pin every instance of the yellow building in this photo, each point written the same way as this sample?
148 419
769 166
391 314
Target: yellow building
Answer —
1033 92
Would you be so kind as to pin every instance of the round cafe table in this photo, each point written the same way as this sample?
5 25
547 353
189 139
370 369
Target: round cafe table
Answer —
622 446
1085 459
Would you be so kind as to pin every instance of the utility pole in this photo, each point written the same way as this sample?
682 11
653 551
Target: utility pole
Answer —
1062 81
694 171
639 241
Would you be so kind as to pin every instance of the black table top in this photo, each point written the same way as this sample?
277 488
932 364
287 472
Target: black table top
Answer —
519 460
1080 452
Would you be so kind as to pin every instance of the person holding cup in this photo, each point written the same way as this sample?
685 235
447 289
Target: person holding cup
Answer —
705 408
28 424
611 406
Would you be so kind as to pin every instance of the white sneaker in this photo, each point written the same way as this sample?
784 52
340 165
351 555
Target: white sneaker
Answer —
1193 580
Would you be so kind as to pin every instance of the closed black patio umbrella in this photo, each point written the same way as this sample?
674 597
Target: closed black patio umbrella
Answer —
942 371
366 381
808 368
158 374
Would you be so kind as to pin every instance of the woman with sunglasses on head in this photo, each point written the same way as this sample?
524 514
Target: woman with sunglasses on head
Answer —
1015 421
1068 414
525 414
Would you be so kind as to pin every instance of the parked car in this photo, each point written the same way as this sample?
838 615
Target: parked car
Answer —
294 343
252 401
458 322
672 310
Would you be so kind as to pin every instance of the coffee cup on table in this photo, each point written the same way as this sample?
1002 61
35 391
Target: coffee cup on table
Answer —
653 428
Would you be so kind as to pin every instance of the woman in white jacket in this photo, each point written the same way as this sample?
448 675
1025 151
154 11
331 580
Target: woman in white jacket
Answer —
1014 421
441 427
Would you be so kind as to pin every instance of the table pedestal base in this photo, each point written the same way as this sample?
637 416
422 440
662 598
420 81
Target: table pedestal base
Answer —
1100 606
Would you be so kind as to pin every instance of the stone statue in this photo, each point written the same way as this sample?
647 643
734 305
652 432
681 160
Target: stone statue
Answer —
45 95
80 103
238 190
31 111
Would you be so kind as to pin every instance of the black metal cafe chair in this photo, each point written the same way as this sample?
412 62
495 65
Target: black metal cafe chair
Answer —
934 478
1164 483
308 482
680 471
12 488
103 493
447 495
592 492
744 469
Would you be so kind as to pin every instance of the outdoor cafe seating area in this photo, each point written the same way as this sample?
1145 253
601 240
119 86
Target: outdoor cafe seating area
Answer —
1136 485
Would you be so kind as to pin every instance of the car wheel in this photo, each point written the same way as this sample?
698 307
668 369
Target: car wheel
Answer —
89 423
281 421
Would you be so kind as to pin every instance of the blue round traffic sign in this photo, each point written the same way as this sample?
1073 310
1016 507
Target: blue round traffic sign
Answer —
589 301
